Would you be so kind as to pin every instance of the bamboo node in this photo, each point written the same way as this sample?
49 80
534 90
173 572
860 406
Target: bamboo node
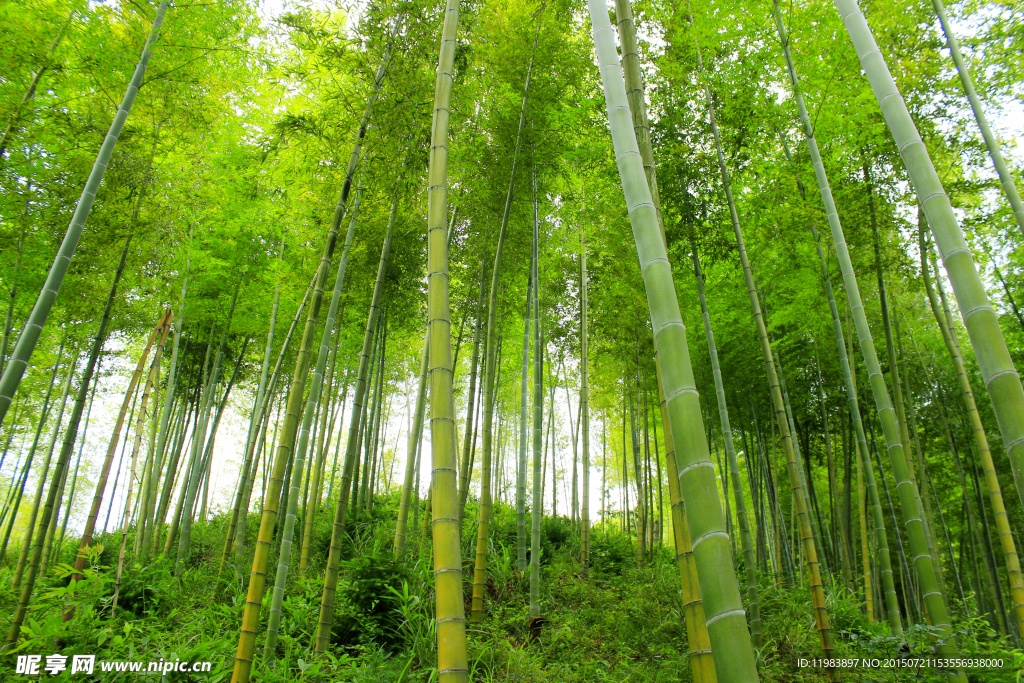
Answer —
706 536
701 463
729 613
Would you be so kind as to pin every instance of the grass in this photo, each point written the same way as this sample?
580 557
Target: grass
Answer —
612 622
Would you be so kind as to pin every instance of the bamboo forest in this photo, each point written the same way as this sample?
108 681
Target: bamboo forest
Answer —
437 341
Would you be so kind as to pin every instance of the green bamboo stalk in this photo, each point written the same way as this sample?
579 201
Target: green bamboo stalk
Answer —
152 507
906 489
268 519
945 322
361 417
919 456
78 460
468 438
982 323
101 484
139 432
204 401
702 662
808 485
537 503
1005 177
637 105
328 409
585 403
325 346
149 469
268 396
865 472
485 507
15 368
284 556
326 619
372 427
199 457
401 526
255 422
31 530
452 661
337 446
337 403
727 628
43 414
524 416
802 524
999 275
120 462
13 294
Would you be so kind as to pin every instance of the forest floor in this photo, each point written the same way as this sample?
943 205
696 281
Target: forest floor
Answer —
612 622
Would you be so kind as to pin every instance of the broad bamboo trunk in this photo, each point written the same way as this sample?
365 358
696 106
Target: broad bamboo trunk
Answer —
982 323
452 659
633 77
727 628
701 661
945 322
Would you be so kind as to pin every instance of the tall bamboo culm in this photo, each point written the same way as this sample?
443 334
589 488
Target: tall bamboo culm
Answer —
995 493
524 418
450 618
585 403
726 623
982 323
907 491
490 356
702 663
800 507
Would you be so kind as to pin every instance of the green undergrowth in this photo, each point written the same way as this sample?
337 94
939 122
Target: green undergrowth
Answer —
612 622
